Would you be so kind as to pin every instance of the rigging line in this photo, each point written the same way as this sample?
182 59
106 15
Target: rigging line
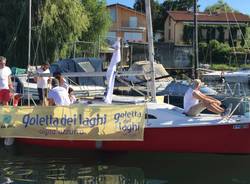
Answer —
18 27
241 31
39 36
230 32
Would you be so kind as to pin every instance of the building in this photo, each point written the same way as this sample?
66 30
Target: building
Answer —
128 24
224 27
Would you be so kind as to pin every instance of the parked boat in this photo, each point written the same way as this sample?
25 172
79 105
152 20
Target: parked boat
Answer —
165 84
166 129
82 86
240 76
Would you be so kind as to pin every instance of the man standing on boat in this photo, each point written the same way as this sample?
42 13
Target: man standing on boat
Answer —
5 82
195 102
42 83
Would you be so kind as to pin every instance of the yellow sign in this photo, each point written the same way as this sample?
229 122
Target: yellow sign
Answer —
77 122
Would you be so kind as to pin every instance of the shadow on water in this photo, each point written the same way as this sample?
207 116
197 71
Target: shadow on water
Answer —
27 164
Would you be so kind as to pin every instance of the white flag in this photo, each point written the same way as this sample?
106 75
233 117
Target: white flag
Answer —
110 75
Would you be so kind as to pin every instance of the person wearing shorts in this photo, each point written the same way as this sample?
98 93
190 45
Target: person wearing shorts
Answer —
6 86
195 101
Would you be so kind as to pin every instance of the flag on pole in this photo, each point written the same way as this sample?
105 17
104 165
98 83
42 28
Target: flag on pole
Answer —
110 75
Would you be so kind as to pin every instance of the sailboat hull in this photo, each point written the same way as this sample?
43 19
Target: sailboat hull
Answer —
233 138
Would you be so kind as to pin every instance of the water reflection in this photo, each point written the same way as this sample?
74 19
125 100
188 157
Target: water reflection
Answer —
24 165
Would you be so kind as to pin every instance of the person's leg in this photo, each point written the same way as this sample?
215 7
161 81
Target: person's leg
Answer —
40 94
215 108
196 109
45 96
209 98
6 97
1 97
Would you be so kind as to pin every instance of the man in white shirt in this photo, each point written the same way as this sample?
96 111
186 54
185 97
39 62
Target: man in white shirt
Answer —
42 83
5 82
58 95
195 102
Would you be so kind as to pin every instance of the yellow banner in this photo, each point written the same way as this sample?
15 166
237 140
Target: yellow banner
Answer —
107 122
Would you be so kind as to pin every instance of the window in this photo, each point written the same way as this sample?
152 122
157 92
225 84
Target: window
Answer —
133 22
130 36
169 34
113 14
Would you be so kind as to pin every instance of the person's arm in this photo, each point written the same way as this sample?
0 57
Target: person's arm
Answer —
11 88
51 102
50 98
205 99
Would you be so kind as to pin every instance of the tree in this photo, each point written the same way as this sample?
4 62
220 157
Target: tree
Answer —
55 24
247 41
63 21
159 11
218 7
13 30
184 5
155 10
99 20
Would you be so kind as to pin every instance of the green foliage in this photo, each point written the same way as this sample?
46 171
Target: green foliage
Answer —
188 34
224 67
156 10
220 52
220 6
55 24
247 37
214 51
99 20
63 22
159 11
177 5
221 31
13 30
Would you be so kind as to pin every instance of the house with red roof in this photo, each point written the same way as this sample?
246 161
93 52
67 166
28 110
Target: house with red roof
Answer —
223 26
127 23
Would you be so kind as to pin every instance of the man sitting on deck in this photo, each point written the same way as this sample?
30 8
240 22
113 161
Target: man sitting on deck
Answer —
195 102
58 95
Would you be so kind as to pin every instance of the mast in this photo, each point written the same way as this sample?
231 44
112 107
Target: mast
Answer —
150 47
195 45
29 45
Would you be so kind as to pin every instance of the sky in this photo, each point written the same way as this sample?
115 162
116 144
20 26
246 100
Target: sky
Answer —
240 5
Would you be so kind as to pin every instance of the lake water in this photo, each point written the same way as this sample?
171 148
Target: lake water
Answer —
25 164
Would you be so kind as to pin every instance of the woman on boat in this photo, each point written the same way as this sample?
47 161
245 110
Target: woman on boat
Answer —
195 102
